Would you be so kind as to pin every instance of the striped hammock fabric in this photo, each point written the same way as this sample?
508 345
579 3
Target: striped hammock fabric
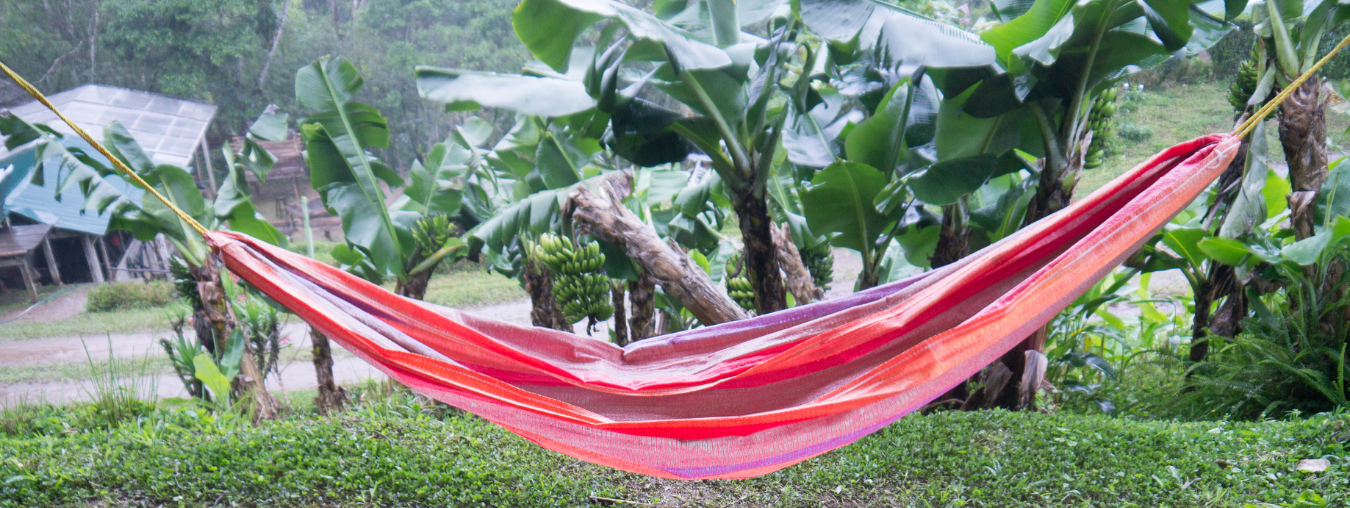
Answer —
745 398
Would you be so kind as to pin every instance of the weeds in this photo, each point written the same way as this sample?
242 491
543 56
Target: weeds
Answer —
119 388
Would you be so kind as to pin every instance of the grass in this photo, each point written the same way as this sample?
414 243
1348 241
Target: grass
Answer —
75 371
1176 113
472 287
89 324
397 451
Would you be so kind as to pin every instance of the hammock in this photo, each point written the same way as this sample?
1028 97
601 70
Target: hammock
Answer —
745 398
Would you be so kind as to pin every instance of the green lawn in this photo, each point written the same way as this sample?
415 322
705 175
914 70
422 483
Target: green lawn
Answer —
472 287
395 452
1176 113
90 324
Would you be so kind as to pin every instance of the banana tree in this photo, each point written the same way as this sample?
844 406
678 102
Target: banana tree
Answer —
1290 35
77 168
1055 56
403 239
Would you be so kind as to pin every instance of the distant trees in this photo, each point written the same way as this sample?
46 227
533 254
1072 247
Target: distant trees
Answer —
216 51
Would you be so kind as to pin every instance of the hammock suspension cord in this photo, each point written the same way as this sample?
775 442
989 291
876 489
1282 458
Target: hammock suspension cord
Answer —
27 87
1241 130
1246 127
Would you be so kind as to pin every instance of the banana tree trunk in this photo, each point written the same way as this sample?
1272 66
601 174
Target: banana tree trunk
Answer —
602 214
954 237
642 307
1220 283
544 311
761 260
1303 134
331 397
620 316
797 276
217 313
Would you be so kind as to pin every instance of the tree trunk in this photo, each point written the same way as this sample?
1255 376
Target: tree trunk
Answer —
1303 134
601 214
1220 282
415 286
798 278
761 261
331 397
544 311
954 244
954 237
642 304
620 316
217 313
276 39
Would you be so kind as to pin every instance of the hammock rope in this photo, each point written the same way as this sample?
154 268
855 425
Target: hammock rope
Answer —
749 397
33 91
1246 127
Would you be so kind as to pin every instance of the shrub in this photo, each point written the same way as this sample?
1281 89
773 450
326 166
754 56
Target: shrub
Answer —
130 295
1134 132
1290 361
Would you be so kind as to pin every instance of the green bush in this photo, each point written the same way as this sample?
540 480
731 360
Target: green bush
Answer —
130 295
1134 132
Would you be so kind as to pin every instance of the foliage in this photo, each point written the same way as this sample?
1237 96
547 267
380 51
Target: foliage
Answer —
382 238
214 52
119 389
130 295
396 449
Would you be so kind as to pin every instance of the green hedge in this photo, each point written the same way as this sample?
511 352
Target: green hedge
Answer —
130 295
399 455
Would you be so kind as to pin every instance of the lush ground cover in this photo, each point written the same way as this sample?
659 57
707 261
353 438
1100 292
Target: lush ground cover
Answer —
395 451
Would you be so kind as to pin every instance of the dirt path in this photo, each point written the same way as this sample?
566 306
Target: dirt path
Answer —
296 374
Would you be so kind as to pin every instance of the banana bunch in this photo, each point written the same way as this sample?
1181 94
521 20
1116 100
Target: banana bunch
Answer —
1244 85
580 288
819 260
433 231
738 285
1099 121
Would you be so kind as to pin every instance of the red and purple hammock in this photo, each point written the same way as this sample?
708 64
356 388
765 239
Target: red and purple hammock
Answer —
750 397
744 398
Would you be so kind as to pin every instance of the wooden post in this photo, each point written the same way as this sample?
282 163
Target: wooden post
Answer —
92 257
28 280
51 261
107 263
210 173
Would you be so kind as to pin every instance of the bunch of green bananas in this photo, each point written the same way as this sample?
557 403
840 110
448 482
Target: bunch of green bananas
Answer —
738 285
819 260
580 287
1099 121
1244 85
433 231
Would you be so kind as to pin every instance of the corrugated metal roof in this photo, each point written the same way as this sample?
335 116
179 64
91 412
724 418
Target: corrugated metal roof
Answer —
39 203
168 129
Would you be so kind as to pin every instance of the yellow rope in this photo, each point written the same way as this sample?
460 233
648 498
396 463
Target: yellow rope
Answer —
1266 110
98 146
1241 130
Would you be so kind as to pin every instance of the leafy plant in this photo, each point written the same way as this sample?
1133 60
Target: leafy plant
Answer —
380 237
121 389
129 295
